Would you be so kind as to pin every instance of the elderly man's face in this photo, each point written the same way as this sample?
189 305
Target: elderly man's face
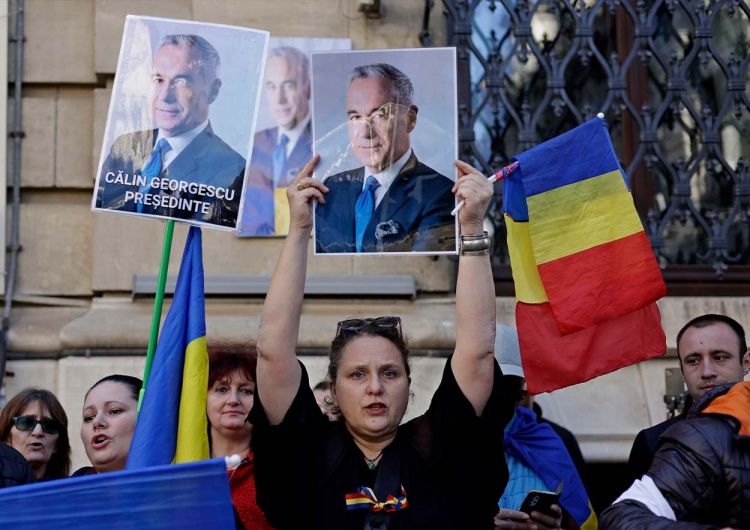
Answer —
180 94
378 126
287 99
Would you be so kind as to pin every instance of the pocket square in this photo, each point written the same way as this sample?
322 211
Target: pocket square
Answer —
387 228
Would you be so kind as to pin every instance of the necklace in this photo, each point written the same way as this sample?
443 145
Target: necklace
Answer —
371 461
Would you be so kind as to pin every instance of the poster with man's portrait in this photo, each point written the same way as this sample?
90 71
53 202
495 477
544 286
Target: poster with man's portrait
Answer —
283 141
181 120
385 127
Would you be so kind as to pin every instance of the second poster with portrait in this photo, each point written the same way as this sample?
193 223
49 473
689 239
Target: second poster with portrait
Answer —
385 126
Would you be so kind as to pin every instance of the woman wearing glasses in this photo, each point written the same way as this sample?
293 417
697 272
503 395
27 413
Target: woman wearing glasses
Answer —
110 409
34 422
441 470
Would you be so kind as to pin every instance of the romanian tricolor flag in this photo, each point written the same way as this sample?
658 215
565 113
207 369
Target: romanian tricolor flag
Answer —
172 424
586 278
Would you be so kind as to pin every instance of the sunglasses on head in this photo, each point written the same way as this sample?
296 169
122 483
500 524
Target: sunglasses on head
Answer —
28 423
354 325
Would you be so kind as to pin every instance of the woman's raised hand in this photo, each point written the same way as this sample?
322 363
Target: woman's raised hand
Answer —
473 188
301 193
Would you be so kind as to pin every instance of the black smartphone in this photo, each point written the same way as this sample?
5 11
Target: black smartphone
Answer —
539 501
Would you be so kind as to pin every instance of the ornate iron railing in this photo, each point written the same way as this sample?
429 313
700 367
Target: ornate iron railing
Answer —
671 77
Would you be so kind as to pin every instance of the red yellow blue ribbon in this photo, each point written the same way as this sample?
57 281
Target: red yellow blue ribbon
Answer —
365 499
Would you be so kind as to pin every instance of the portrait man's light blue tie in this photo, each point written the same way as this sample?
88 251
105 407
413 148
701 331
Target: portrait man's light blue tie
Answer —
279 159
153 167
363 210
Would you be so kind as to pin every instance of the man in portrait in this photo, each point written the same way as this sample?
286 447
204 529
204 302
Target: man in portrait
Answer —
393 202
280 152
180 168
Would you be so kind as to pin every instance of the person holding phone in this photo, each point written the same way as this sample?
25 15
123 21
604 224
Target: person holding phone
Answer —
538 461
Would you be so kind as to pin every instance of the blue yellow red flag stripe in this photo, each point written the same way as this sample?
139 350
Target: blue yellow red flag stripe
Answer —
365 498
586 278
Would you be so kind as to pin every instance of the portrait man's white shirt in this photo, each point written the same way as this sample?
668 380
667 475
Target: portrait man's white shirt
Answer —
293 134
386 177
178 143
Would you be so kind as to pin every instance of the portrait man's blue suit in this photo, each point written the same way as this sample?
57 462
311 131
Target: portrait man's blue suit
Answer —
413 216
206 160
258 215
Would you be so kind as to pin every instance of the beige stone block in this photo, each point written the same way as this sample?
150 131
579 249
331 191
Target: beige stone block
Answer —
225 253
398 27
116 322
438 34
110 21
59 43
606 431
102 97
37 329
283 18
125 245
56 256
431 274
74 135
38 373
38 146
116 237
676 311
76 376
115 262
119 322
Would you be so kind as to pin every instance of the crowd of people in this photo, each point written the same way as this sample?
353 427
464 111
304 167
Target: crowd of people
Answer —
341 452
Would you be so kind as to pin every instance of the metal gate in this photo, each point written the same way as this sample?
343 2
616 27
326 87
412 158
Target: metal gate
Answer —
671 77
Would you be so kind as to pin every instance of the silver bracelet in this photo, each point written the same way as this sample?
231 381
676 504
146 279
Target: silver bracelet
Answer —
475 245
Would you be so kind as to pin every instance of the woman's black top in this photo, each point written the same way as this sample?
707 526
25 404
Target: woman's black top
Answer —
449 461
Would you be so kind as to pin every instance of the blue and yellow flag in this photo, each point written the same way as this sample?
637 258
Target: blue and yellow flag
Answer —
542 450
172 424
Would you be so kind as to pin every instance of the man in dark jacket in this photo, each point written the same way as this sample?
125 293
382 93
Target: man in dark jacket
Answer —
701 473
711 351
14 469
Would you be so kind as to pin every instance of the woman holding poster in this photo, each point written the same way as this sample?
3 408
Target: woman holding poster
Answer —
443 469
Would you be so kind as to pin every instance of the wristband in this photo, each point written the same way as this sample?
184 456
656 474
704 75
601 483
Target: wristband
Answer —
475 245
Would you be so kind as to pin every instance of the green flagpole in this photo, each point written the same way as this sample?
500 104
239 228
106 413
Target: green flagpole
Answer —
158 302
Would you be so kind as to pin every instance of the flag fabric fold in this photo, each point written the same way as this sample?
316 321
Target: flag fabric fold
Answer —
192 495
172 424
586 278
537 445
